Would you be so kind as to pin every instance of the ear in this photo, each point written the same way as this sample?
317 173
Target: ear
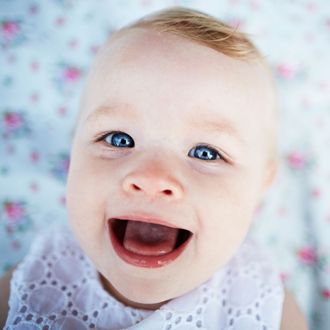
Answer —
271 171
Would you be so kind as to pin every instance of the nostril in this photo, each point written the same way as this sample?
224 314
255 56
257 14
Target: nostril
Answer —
152 186
167 192
135 187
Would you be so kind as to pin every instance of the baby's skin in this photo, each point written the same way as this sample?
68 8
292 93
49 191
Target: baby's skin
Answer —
174 136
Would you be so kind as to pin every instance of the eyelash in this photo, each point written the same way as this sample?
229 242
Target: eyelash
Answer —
219 155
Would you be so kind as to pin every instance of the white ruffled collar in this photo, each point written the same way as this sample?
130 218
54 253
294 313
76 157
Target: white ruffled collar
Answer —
57 286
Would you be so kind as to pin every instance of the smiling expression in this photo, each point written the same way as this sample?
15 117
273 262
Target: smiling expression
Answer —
173 131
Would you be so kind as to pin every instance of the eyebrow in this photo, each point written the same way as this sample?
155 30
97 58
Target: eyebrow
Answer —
103 111
217 125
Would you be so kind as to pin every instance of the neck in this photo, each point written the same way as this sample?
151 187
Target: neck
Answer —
117 295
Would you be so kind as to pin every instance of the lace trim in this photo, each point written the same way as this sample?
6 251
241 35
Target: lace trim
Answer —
57 287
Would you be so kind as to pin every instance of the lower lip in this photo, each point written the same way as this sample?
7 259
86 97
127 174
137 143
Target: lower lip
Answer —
145 261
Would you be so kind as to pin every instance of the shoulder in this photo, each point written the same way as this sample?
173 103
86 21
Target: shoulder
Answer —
43 245
289 315
4 297
292 316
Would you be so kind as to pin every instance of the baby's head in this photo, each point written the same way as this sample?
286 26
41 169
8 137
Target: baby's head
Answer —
173 150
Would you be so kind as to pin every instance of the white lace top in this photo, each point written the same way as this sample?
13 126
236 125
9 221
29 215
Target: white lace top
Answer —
57 287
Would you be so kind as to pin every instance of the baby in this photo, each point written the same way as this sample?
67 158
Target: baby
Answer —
174 147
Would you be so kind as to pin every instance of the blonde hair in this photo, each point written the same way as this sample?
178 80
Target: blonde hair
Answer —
201 28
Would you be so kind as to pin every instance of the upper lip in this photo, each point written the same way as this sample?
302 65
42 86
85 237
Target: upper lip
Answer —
148 218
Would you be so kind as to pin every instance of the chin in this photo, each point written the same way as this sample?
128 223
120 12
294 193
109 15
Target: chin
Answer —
133 291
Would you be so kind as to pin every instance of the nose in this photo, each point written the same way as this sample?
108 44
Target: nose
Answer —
153 183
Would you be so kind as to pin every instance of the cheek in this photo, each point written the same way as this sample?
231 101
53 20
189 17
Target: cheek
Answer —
235 192
91 176
225 210
87 190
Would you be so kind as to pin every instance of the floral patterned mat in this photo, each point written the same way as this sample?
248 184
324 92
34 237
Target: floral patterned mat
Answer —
46 48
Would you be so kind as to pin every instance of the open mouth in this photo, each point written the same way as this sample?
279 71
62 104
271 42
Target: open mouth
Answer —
147 244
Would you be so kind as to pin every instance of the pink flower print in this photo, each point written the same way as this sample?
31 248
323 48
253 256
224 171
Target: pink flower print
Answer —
73 43
60 21
307 255
297 160
14 124
34 65
13 120
316 192
15 245
327 23
60 166
14 211
286 71
35 156
34 97
325 293
94 49
34 9
34 187
284 277
10 29
65 165
62 200
71 74
10 32
62 111
67 76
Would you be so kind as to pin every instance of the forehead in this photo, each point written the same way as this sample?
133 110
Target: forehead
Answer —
142 66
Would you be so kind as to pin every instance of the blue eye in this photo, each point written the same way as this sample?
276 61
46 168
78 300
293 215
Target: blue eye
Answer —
119 140
204 152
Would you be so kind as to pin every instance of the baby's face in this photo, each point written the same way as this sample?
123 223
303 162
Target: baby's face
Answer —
172 136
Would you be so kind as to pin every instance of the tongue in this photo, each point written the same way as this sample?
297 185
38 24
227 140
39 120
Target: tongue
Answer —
149 239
